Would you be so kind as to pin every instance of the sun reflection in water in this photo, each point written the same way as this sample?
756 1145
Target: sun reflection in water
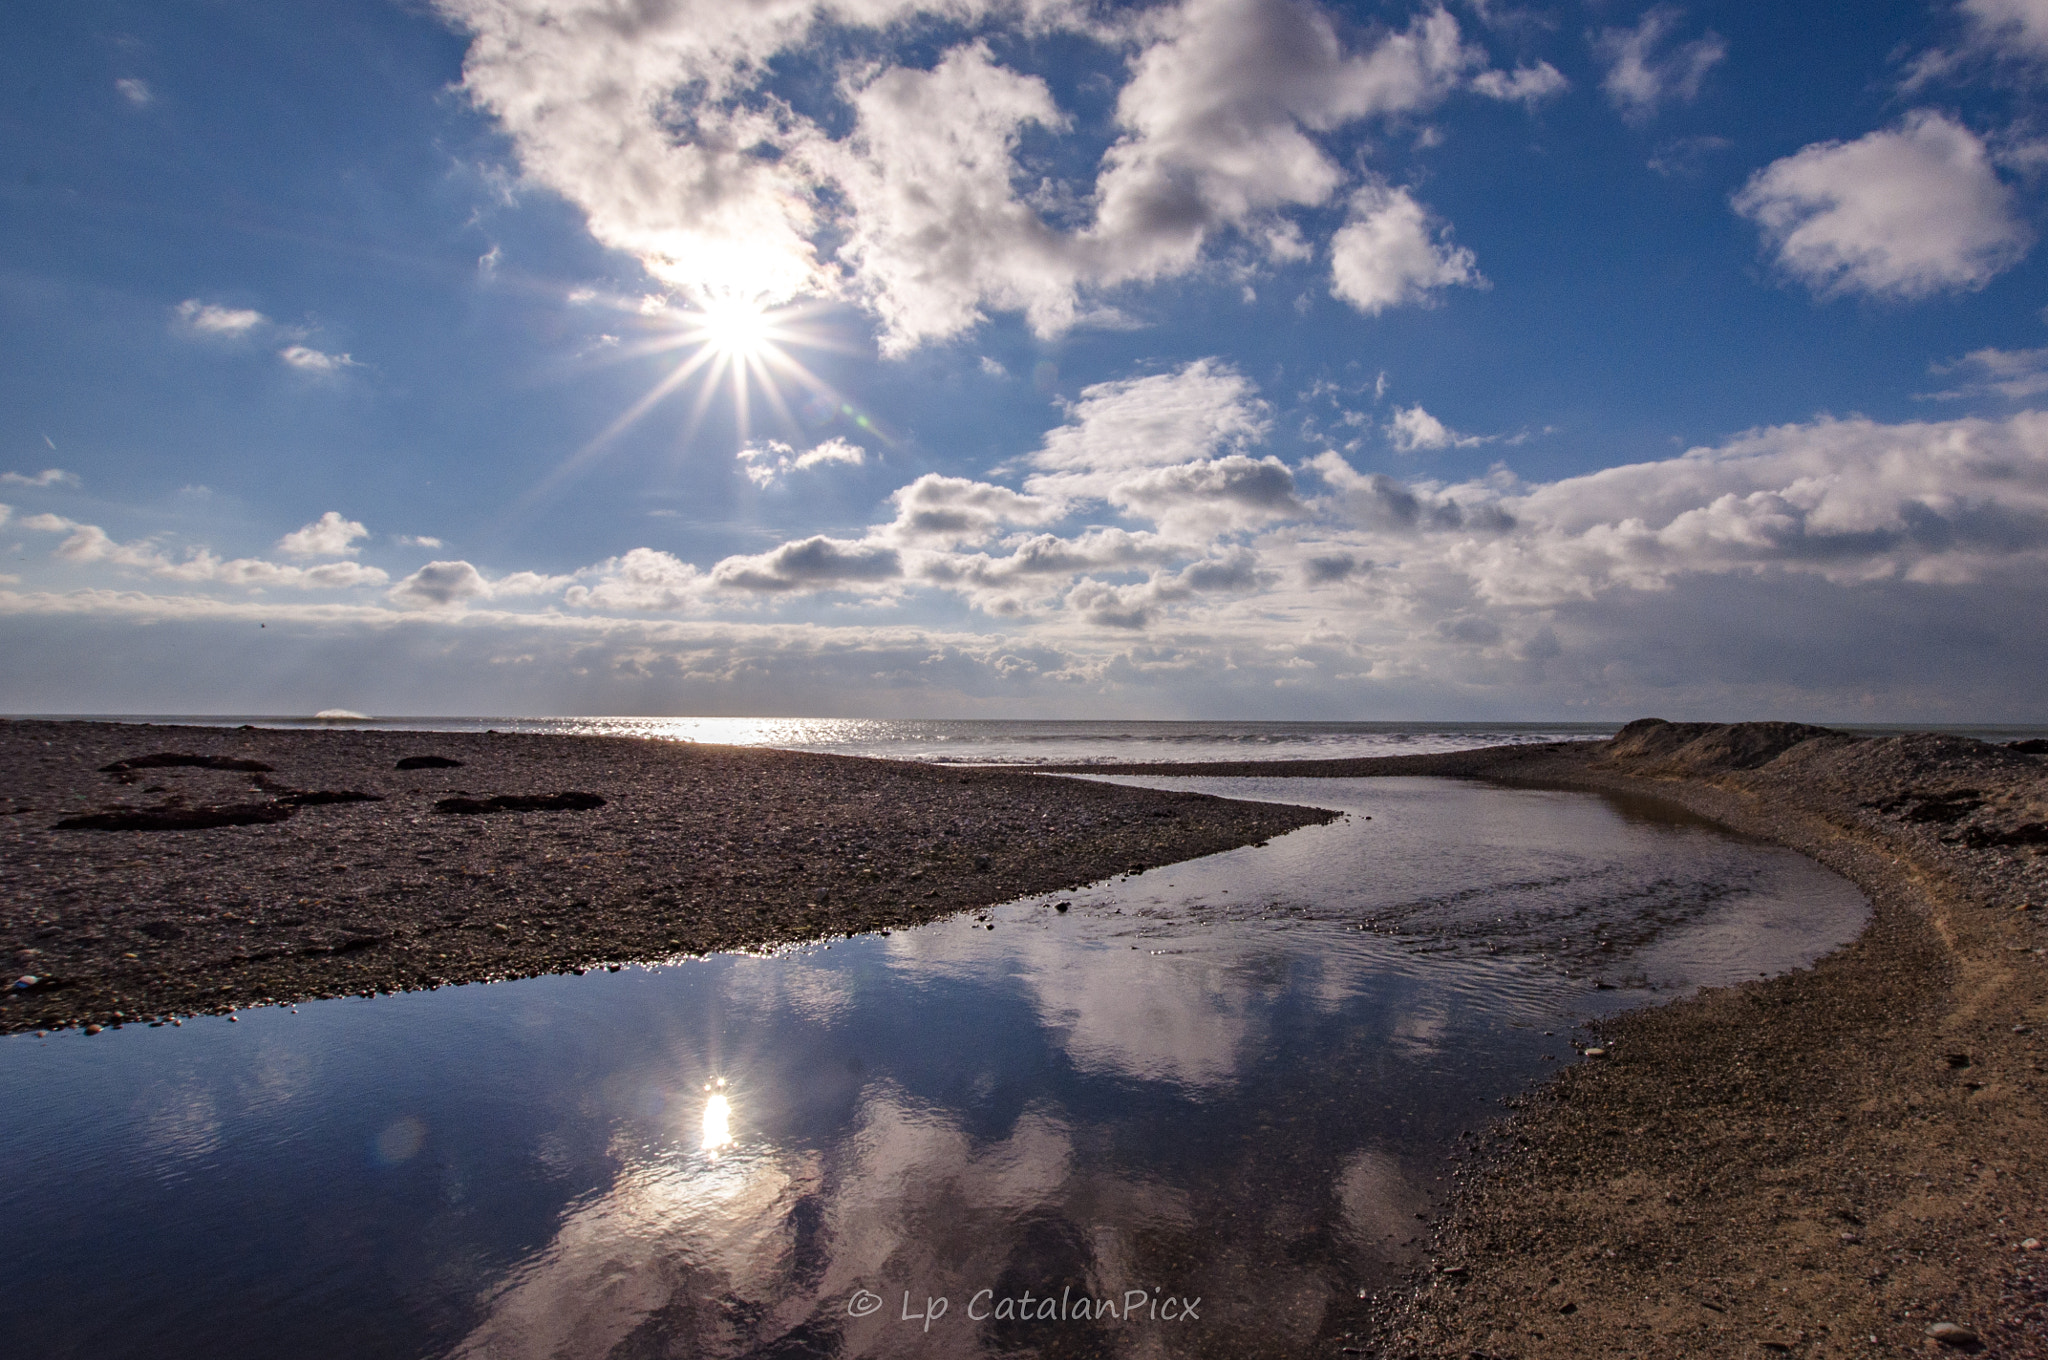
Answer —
717 1118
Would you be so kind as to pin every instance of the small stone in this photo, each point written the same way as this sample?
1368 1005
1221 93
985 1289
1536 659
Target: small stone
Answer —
92 1029
1059 906
1567 1308
1952 1334
1596 1052
2031 1244
1957 1060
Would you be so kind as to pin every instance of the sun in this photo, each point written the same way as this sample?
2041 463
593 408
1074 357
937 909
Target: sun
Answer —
736 329
733 342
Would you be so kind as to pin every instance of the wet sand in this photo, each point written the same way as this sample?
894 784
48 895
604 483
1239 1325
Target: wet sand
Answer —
442 876
1832 1162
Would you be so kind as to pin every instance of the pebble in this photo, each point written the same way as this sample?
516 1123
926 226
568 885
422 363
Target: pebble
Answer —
2031 1244
1952 1334
1596 1052
92 1029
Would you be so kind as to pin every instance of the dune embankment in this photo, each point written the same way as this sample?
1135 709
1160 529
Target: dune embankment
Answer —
152 871
1851 1159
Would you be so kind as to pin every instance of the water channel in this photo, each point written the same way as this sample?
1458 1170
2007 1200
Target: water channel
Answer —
1194 1112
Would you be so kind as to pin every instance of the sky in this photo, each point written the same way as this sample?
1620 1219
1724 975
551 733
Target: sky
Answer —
1038 358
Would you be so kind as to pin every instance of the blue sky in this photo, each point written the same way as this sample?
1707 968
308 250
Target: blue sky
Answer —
1220 358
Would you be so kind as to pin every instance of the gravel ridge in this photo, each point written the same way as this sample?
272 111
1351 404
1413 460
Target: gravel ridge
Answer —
332 871
1845 1160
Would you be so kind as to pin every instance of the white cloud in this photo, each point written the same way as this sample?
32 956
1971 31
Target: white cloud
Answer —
938 227
938 511
309 360
206 318
1526 84
1205 408
768 462
2013 31
815 563
419 541
992 368
48 477
1219 114
88 544
1413 428
441 585
1902 213
1640 76
1388 254
328 536
655 123
1801 551
642 580
136 92
2013 373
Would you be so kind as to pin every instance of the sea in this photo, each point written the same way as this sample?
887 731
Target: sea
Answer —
1029 741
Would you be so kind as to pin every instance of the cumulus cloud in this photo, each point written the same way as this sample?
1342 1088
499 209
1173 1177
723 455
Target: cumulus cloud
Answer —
1643 72
206 318
441 585
309 360
815 563
1220 111
1904 213
48 477
909 193
328 536
1413 429
88 544
1389 254
1828 537
136 92
938 227
943 511
642 580
771 460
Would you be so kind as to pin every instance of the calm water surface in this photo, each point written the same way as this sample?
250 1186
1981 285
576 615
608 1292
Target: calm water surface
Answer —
1237 1079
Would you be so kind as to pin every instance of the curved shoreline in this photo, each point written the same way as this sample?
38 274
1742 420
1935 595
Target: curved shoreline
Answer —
330 871
1826 1163
1794 1166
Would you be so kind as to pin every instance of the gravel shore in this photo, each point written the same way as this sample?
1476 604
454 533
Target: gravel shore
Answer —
1847 1160
301 864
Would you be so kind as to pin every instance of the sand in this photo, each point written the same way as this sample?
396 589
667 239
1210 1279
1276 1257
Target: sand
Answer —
693 849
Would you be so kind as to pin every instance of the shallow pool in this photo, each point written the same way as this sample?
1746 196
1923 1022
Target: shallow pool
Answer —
1199 1112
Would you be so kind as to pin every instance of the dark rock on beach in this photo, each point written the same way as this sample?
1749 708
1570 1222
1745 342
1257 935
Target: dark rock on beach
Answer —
174 818
427 763
281 865
523 802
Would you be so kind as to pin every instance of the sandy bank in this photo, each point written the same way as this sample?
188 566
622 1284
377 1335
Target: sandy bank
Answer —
282 886
1828 1163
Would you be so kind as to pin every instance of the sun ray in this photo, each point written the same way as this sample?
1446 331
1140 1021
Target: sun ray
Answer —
737 345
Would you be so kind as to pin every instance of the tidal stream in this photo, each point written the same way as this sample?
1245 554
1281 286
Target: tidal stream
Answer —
1197 1112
